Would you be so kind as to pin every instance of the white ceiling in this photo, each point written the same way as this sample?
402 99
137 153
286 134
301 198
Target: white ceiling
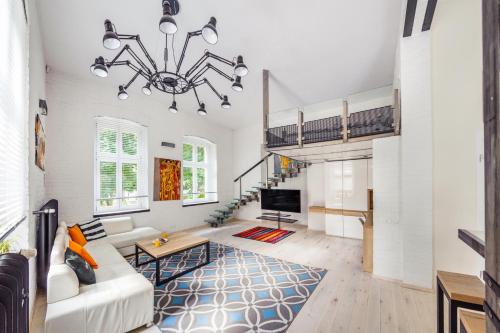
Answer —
316 50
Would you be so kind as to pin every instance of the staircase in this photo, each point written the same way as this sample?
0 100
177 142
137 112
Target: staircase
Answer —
284 168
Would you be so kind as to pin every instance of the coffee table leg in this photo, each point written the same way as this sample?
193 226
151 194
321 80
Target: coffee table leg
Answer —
136 256
207 246
158 277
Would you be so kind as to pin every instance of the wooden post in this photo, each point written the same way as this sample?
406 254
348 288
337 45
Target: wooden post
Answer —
345 113
397 112
491 117
265 103
300 122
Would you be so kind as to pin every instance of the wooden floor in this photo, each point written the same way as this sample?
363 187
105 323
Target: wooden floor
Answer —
347 300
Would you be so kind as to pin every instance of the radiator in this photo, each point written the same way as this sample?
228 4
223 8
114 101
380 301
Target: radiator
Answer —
14 293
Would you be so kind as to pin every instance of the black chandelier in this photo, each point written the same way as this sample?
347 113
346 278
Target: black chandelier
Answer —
171 82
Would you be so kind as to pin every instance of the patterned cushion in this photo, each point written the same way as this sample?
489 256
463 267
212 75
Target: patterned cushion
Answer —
83 271
93 230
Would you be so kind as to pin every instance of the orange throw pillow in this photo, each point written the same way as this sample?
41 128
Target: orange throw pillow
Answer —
77 248
76 235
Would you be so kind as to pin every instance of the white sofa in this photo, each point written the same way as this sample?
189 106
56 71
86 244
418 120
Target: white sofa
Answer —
120 301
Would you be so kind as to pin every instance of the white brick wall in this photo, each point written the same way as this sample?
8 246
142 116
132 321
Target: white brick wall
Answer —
387 233
416 161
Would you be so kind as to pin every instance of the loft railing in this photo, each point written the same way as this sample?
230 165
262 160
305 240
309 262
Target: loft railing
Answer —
361 124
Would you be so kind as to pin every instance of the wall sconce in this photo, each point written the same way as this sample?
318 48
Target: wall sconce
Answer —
42 104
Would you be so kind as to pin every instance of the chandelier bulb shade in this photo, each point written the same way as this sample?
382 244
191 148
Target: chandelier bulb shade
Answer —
237 86
122 93
209 31
201 110
240 69
111 41
167 22
173 107
225 103
99 68
146 90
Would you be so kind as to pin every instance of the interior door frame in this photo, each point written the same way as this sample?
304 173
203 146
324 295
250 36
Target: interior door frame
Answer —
491 116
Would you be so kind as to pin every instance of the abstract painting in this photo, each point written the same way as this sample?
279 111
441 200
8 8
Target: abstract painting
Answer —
167 182
39 144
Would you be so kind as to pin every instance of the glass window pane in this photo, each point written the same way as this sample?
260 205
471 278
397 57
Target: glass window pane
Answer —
200 178
107 141
187 152
107 183
187 183
200 152
129 143
129 183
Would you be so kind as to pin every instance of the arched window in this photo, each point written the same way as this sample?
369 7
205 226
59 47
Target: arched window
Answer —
199 170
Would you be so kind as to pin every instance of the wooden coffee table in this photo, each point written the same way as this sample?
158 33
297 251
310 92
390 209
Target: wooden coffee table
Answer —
178 242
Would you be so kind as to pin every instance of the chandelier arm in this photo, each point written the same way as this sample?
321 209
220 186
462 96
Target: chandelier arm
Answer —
115 59
221 73
205 80
137 38
196 94
197 65
136 58
221 59
200 73
138 70
133 79
188 37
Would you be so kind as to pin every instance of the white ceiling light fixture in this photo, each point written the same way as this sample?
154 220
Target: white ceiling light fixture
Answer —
172 81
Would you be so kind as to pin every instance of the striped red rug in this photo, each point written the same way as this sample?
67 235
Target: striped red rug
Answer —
262 234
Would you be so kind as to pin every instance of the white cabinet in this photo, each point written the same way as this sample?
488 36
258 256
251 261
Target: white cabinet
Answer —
352 227
333 185
355 185
346 188
334 225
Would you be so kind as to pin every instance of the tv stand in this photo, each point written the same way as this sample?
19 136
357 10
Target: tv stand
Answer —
277 217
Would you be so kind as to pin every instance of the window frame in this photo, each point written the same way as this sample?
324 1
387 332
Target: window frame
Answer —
209 165
120 158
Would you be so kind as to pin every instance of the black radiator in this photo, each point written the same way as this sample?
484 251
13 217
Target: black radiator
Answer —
14 293
47 223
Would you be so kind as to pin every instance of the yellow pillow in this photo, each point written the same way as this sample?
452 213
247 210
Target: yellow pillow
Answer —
76 235
77 248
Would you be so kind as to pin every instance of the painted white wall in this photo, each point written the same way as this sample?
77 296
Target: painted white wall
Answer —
36 178
457 132
416 160
70 155
387 231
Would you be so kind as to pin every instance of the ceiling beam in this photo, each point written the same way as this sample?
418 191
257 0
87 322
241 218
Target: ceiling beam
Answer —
411 8
429 15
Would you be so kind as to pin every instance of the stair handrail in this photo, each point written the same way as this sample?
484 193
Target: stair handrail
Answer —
254 166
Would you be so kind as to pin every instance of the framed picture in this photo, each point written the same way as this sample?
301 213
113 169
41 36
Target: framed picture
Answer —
39 144
167 180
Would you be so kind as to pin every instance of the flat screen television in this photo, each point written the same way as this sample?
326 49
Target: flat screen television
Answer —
280 200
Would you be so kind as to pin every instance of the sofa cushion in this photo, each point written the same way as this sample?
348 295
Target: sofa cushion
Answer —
59 247
114 271
104 253
129 238
76 235
118 225
62 283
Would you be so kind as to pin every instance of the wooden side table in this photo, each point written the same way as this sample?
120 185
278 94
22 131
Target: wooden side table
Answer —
462 291
472 322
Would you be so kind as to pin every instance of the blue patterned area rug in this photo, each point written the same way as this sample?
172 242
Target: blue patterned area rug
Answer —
239 291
